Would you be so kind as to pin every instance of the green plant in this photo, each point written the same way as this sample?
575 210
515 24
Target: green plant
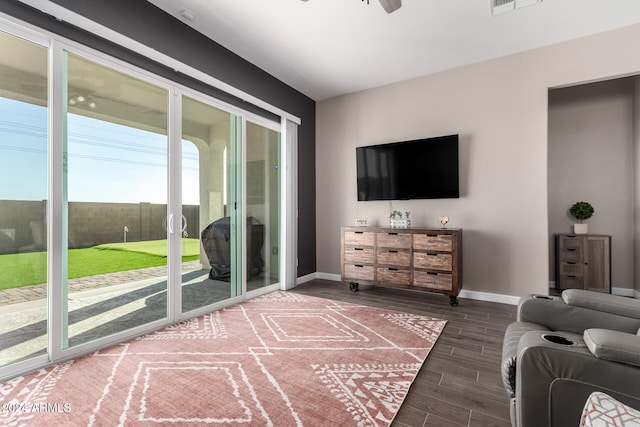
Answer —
581 211
399 215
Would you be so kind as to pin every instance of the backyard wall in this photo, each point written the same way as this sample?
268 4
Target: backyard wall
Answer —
23 223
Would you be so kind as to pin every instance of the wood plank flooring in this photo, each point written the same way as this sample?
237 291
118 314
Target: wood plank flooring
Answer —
460 382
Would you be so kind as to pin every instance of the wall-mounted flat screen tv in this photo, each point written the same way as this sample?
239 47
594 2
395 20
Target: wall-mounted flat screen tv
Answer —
419 169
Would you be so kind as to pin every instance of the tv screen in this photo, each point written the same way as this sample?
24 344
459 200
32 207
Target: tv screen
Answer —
419 169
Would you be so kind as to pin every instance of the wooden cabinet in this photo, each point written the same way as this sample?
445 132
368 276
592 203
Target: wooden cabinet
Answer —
420 259
583 261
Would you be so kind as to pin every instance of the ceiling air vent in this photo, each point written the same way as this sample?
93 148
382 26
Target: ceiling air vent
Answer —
503 6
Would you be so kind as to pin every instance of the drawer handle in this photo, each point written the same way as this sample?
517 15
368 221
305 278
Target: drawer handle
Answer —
392 234
358 265
358 249
392 269
432 254
431 274
432 235
571 263
393 252
573 277
571 249
358 232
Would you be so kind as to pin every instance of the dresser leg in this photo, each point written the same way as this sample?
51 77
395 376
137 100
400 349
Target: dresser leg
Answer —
453 300
353 286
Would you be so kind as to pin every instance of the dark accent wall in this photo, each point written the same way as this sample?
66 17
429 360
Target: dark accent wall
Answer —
143 22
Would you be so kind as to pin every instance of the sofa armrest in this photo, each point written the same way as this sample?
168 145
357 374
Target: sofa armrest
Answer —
536 308
613 345
554 380
614 304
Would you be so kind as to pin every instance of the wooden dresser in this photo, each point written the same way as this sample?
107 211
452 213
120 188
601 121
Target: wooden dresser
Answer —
414 258
583 261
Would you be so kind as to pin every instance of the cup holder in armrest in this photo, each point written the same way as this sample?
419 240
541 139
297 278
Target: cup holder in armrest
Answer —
557 339
542 297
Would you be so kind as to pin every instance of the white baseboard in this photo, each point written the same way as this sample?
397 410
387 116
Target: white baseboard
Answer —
306 278
624 292
329 276
480 296
487 296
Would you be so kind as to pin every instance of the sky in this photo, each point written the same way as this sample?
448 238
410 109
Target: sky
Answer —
106 162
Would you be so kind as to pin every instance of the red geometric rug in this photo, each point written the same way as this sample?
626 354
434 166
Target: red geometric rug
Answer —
282 359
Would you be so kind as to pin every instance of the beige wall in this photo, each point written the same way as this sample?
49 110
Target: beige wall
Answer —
591 158
499 108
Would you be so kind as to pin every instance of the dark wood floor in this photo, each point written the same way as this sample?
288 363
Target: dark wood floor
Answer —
460 383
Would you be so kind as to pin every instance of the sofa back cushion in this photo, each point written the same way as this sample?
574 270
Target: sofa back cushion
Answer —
607 303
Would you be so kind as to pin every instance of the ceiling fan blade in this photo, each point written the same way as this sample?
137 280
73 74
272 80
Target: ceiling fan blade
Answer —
391 5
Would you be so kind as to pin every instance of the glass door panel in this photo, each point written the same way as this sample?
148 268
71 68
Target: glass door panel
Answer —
115 189
262 206
23 199
208 205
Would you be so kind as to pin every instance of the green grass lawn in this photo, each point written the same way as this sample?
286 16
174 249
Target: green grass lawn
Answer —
30 268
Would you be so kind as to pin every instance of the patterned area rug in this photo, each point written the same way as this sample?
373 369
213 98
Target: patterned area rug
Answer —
282 359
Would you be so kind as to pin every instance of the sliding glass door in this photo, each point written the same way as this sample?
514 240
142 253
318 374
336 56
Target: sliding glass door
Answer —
210 205
23 199
115 207
262 239
127 202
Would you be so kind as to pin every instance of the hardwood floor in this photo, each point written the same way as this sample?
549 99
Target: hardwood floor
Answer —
460 382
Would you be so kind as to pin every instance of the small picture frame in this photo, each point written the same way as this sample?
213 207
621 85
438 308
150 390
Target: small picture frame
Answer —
362 222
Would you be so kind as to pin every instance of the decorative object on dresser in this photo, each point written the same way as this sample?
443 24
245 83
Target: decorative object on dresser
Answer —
397 220
444 219
581 211
583 261
420 259
362 222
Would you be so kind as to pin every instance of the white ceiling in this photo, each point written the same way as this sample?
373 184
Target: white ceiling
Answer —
325 48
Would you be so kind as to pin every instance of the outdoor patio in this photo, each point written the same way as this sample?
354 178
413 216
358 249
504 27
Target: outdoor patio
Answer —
100 305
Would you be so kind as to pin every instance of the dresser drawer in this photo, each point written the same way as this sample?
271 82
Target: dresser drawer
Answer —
430 280
569 255
570 242
432 260
358 272
570 269
433 242
571 282
394 240
358 255
393 276
394 257
358 238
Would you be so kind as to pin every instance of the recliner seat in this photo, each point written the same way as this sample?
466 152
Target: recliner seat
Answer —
561 349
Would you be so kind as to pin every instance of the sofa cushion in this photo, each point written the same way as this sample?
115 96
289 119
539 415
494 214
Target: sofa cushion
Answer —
603 410
614 304
510 352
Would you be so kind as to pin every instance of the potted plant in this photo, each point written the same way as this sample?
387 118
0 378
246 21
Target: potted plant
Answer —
407 221
581 211
397 220
394 219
